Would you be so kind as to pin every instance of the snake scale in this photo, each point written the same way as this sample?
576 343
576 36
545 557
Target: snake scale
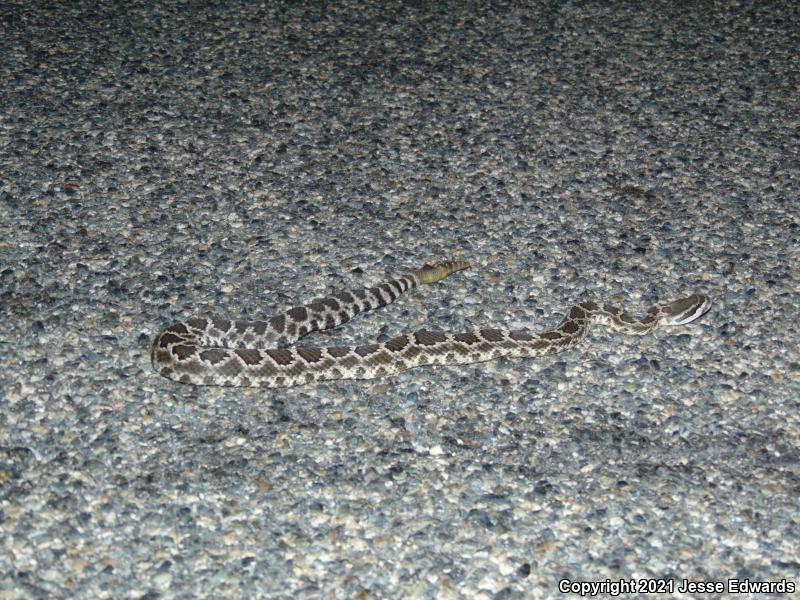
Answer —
256 353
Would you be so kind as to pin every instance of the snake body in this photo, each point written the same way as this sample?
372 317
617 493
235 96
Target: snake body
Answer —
255 353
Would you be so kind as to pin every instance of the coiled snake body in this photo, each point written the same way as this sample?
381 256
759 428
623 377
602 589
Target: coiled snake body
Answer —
254 353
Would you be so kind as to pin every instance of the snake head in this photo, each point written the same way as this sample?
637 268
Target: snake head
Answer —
433 272
685 310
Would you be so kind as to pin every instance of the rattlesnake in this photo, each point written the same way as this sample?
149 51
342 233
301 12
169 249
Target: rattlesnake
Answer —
254 353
